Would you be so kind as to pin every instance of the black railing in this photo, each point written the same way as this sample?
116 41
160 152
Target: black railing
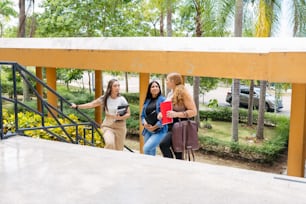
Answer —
57 113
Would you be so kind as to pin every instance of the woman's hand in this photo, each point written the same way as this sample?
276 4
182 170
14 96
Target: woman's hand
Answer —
73 105
149 127
171 114
159 116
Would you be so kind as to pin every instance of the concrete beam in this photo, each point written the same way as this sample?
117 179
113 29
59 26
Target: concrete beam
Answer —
245 58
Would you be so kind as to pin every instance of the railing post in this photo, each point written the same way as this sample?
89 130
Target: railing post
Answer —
51 82
15 97
297 135
143 84
39 88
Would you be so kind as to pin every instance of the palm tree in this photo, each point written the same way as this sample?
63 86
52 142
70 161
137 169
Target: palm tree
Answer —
169 18
299 16
198 13
196 85
261 111
236 82
263 29
22 34
251 104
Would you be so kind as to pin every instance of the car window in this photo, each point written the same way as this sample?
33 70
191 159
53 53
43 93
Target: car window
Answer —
244 91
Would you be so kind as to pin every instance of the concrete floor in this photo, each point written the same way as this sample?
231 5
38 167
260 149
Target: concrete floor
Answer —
45 172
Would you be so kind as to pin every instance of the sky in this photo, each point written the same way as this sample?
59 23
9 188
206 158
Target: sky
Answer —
286 26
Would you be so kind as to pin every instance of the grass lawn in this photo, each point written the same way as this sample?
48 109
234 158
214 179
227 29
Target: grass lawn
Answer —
247 135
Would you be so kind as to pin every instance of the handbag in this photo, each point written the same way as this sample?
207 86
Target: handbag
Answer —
185 137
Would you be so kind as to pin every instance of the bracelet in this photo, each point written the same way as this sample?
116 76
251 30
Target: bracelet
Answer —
76 107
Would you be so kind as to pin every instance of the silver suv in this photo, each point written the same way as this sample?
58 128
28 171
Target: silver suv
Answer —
244 99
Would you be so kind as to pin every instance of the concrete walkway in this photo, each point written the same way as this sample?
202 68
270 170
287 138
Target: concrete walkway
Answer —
35 171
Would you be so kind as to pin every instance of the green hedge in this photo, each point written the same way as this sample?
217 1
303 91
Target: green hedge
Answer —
266 153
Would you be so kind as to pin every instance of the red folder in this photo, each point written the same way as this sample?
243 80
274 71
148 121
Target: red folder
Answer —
164 108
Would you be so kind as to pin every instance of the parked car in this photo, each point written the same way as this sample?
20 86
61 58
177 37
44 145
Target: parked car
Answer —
244 99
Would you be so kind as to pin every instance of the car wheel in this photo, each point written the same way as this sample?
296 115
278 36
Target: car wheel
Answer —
267 108
230 102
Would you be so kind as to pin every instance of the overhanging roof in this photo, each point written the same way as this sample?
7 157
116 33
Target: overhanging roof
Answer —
204 44
273 59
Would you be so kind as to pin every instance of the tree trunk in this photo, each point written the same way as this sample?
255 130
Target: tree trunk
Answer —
263 29
33 21
161 24
196 79
235 109
236 82
22 34
89 82
1 30
169 18
196 92
22 19
261 111
126 82
251 104
163 86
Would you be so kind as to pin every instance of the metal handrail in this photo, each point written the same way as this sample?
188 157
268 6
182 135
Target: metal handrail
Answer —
24 73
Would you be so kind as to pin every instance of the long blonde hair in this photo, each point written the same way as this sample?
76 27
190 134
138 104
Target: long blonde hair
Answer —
179 89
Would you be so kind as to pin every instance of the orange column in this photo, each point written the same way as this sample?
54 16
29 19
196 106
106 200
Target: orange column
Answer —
51 82
143 84
39 87
98 93
297 135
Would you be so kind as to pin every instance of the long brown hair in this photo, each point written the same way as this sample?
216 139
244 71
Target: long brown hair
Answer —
149 94
108 92
179 89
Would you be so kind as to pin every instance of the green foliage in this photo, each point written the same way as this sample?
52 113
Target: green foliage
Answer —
7 88
132 98
6 12
68 75
217 114
206 83
132 123
213 103
7 81
77 18
31 120
266 151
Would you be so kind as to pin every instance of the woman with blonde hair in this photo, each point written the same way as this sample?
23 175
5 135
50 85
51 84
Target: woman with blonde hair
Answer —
183 107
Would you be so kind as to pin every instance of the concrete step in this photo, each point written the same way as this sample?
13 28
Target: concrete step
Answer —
40 171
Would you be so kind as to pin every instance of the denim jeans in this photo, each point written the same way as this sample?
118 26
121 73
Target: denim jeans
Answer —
151 141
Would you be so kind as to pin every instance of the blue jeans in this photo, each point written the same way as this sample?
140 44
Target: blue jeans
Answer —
151 141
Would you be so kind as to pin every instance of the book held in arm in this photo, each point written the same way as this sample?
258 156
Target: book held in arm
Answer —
121 110
164 108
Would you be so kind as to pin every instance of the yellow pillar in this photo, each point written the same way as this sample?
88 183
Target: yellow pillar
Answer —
143 84
51 82
297 135
39 87
98 93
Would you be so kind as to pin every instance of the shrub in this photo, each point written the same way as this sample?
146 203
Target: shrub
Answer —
267 152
